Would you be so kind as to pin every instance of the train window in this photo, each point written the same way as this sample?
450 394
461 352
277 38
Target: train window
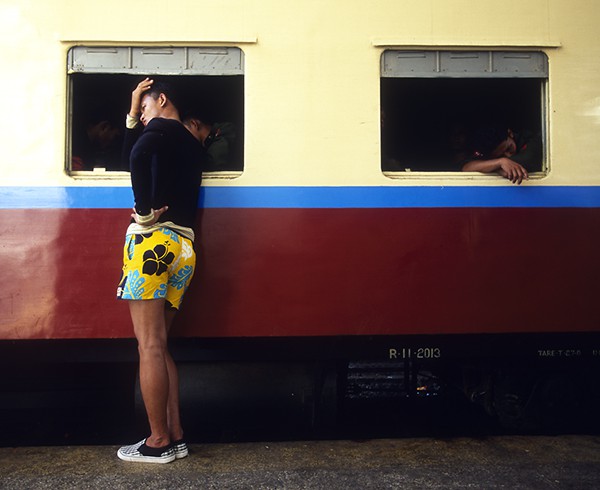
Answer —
209 82
434 103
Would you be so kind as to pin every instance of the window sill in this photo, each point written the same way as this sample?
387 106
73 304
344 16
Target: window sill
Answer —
99 174
103 174
454 176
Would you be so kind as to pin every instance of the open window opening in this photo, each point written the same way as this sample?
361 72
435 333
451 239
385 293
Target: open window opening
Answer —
209 83
435 106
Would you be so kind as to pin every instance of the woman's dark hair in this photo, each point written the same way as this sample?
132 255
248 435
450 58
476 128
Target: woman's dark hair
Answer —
162 87
485 140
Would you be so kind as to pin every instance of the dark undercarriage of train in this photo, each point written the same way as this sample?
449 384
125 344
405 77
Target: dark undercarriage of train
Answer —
86 391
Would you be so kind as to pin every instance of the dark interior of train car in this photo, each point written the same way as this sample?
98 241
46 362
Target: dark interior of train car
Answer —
100 102
427 123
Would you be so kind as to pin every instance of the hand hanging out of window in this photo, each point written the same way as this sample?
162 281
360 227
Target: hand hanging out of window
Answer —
509 154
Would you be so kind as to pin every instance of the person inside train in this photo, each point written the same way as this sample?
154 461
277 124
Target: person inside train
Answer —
219 140
456 149
159 258
509 154
97 143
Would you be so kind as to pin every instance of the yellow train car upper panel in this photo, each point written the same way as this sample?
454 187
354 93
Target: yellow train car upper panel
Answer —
312 90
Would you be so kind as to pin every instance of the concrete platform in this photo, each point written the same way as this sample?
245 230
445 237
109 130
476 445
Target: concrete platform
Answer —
527 462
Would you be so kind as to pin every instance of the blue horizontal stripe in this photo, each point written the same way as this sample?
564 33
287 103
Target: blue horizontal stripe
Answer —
314 197
399 197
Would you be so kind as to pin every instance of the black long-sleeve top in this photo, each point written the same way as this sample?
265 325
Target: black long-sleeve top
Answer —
166 170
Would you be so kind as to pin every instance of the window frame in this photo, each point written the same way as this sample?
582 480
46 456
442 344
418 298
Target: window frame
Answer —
184 61
432 64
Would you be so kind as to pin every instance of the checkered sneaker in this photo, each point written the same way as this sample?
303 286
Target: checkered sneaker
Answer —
144 454
180 448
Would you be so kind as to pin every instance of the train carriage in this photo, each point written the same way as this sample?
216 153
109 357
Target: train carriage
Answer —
344 229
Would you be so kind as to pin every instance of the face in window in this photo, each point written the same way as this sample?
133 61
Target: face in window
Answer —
102 134
151 108
199 130
506 148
